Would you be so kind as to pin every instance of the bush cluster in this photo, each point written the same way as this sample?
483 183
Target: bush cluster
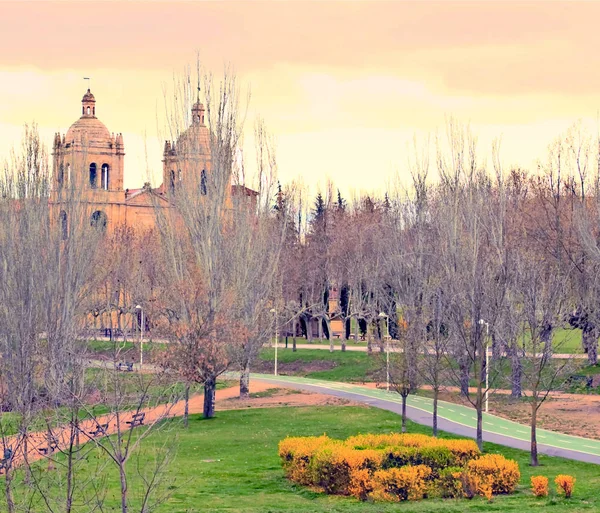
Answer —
397 467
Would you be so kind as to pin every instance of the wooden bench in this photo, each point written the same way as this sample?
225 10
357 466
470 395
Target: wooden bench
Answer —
50 448
125 366
137 420
100 430
6 460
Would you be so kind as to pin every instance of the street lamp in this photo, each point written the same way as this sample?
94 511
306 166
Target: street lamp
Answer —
138 307
383 315
487 362
274 311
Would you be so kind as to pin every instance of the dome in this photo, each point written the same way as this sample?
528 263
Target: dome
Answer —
88 97
194 141
91 129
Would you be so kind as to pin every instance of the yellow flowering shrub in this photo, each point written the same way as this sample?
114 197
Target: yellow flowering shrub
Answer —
396 467
503 473
400 484
296 453
331 466
565 484
539 486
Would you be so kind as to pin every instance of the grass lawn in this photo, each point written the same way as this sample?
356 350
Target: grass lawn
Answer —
345 366
230 463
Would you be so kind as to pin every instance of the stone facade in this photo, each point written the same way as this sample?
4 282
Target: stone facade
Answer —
90 160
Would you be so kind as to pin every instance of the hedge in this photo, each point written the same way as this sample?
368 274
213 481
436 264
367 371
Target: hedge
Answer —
396 467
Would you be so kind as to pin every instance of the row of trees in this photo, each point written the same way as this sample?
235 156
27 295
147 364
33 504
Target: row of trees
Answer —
480 255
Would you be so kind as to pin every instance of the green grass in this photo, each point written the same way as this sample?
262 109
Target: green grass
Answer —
349 366
230 464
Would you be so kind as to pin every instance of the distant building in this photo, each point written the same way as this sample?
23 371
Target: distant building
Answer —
90 159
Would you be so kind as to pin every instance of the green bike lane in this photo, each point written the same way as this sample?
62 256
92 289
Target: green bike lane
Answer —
454 418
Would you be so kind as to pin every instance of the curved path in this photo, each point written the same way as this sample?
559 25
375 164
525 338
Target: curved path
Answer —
453 418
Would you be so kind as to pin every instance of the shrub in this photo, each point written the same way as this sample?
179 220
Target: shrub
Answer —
361 483
539 486
449 484
565 484
503 474
399 484
296 453
331 466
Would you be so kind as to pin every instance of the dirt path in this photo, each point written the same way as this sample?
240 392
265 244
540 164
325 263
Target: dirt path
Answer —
262 395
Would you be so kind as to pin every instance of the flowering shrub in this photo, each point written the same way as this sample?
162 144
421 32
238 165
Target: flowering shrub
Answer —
396 467
449 483
400 484
565 484
331 466
296 453
539 486
503 473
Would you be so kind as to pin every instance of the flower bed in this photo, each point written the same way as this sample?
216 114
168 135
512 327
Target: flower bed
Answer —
396 467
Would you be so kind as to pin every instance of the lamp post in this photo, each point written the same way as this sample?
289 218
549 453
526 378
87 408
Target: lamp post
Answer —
274 311
138 307
487 362
383 315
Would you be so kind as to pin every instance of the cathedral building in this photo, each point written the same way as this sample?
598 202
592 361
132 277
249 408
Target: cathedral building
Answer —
89 159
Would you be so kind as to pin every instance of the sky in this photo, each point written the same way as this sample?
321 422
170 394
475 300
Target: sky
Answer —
344 87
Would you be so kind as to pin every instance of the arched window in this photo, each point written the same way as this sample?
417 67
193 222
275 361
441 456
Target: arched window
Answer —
98 219
172 181
93 176
179 173
203 183
94 110
60 178
64 225
105 170
68 174
88 111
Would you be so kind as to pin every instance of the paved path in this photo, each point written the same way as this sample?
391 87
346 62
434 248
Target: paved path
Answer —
453 418
376 349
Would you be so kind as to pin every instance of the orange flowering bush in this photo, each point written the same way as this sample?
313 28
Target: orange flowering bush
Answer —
396 467
503 473
332 465
296 453
539 486
565 484
400 484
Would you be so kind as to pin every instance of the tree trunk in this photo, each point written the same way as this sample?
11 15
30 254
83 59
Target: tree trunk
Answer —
123 478
10 504
590 343
209 398
320 329
294 329
369 341
516 373
344 339
464 377
534 451
245 381
404 412
480 426
496 349
309 333
436 393
186 408
356 331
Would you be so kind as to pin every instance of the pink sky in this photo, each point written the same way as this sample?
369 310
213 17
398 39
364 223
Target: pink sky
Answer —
342 85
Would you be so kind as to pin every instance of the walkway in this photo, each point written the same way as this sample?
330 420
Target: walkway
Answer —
376 349
453 418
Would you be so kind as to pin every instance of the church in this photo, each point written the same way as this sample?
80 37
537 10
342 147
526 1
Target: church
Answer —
90 160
